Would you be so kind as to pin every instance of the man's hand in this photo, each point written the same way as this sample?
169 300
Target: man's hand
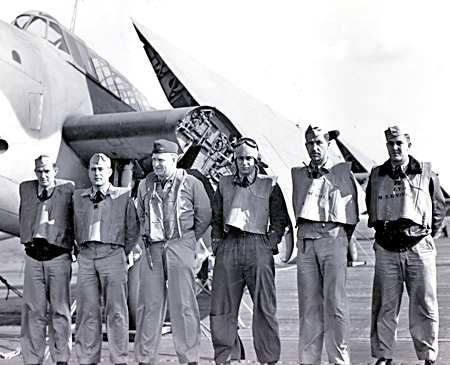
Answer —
273 241
134 255
215 243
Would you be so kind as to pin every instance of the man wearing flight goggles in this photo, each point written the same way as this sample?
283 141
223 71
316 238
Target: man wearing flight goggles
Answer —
249 220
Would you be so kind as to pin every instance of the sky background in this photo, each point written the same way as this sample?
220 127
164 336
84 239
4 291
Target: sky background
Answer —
357 66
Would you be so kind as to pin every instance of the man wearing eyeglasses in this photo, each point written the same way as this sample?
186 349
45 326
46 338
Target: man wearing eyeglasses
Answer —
406 207
46 231
106 230
326 212
249 220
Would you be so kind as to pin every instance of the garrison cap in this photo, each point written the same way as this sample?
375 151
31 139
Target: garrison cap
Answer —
314 131
100 159
165 146
43 160
395 131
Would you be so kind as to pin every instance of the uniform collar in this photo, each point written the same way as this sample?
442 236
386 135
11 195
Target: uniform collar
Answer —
413 167
49 190
238 180
105 191
326 166
166 180
91 191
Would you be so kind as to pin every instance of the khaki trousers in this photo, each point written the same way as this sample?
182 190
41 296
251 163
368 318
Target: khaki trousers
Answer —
172 279
46 287
322 300
102 279
416 268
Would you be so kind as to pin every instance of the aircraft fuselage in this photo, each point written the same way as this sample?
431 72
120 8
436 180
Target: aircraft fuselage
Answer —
41 86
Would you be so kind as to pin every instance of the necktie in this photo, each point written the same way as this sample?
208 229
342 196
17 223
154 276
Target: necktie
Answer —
44 195
398 173
245 182
313 173
98 197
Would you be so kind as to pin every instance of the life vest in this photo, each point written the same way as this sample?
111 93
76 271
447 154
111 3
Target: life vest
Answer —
247 208
50 219
408 197
112 221
329 198
164 212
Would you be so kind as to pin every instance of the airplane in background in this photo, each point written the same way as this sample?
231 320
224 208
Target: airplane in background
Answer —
186 82
61 98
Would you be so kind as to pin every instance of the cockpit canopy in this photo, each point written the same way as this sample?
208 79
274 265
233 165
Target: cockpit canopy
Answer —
94 66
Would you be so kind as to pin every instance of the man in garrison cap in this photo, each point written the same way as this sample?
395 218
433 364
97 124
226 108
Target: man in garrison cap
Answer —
406 207
106 231
326 212
46 231
249 220
174 211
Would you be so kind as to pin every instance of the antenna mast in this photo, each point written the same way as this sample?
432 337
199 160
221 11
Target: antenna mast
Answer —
74 17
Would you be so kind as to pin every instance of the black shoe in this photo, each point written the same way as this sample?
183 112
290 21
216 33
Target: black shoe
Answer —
383 361
193 363
430 362
61 363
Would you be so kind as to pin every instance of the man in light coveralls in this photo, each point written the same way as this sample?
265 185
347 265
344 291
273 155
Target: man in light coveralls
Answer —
174 212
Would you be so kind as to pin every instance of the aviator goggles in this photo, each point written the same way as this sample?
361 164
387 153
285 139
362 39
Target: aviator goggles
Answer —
245 140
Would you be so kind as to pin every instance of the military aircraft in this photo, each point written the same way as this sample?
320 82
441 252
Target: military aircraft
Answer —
281 142
60 97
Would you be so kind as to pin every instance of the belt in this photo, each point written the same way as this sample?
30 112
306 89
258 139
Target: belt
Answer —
86 243
236 231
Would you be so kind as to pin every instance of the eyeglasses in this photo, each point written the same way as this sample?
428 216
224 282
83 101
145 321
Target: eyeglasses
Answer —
245 140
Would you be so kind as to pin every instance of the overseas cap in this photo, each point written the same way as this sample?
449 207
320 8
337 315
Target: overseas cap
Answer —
100 159
165 146
43 160
314 131
395 131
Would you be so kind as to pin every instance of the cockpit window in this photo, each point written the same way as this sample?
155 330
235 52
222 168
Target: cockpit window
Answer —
21 21
56 38
46 27
38 26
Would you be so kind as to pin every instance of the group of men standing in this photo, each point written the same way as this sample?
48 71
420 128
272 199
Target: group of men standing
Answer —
249 218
